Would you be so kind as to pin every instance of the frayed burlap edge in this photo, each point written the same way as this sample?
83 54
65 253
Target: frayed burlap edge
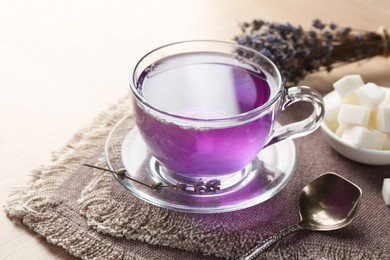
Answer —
87 245
29 203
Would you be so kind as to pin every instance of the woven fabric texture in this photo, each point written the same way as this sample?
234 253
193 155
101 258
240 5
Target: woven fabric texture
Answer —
90 215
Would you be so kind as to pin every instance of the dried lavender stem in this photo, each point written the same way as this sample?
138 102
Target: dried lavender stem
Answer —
124 176
99 168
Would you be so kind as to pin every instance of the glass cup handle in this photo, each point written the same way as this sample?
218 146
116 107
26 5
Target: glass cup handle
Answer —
305 126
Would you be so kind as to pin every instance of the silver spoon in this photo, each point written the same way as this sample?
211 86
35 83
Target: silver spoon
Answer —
327 203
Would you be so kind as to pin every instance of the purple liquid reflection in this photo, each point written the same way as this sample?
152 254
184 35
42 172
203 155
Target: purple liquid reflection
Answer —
207 91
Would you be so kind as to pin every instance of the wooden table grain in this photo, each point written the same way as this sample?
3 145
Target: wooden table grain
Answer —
62 62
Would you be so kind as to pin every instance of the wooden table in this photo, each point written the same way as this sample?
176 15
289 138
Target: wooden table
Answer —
62 62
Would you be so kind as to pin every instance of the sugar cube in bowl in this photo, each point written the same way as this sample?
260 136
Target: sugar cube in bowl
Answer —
357 120
386 191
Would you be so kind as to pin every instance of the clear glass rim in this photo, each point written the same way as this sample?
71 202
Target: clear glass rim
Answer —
190 120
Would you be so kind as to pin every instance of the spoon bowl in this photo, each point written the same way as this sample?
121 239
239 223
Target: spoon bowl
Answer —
327 203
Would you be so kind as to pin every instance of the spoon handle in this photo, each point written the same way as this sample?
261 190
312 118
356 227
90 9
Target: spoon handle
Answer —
264 245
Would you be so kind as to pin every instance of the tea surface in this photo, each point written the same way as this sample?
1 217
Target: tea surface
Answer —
204 86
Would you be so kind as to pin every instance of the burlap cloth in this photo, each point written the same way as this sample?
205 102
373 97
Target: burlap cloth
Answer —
90 215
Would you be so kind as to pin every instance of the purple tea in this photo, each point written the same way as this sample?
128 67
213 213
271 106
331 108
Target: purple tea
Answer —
204 88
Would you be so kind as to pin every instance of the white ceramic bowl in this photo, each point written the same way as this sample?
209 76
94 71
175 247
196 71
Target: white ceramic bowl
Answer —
362 155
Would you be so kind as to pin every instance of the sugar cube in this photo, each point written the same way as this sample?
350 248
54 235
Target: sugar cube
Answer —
332 125
363 137
383 118
340 130
332 105
348 85
358 136
353 114
370 95
386 191
372 120
386 146
350 99
379 140
387 95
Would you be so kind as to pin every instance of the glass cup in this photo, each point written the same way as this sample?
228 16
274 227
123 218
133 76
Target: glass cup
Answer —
206 109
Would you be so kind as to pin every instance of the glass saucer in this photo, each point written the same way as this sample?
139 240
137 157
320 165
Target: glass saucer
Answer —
260 180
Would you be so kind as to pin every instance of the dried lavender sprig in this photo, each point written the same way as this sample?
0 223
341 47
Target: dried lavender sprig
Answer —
199 186
298 52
